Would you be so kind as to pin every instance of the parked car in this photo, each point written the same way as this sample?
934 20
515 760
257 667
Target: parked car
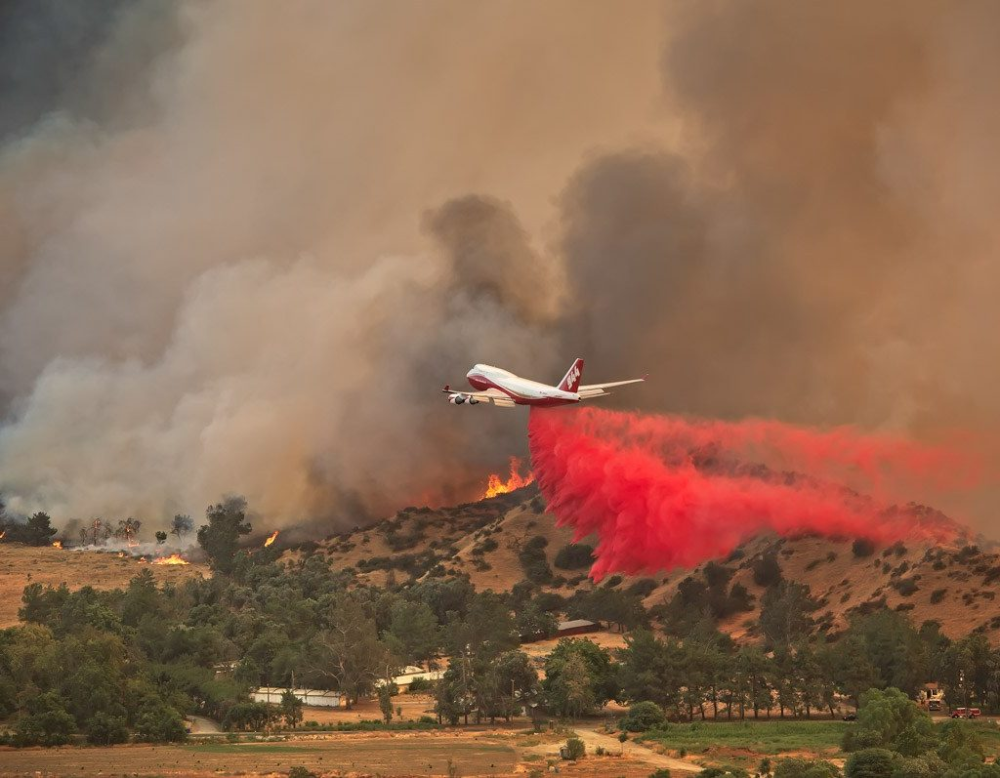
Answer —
851 717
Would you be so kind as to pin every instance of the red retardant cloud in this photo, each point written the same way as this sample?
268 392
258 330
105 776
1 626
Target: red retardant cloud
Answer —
663 492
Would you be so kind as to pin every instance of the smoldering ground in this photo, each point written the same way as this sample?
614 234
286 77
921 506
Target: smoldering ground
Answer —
245 245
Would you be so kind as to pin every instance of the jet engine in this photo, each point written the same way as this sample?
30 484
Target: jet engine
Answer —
456 399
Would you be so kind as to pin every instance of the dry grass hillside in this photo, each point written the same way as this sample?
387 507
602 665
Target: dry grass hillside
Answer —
486 541
22 565
955 585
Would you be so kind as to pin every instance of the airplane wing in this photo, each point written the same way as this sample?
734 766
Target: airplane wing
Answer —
494 396
590 391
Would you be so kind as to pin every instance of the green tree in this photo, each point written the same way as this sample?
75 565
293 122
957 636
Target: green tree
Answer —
506 683
889 719
385 701
534 623
784 613
36 531
651 669
601 670
451 696
181 525
105 730
413 633
220 537
572 692
894 648
45 723
487 630
853 667
348 652
291 709
643 716
160 723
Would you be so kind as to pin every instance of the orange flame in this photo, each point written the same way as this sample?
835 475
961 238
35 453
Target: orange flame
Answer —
496 486
273 537
173 559
56 544
3 534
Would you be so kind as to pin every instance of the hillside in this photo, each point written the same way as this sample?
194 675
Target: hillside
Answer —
22 565
492 540
955 585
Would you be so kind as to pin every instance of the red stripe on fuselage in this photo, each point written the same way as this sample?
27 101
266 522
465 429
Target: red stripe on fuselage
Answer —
482 383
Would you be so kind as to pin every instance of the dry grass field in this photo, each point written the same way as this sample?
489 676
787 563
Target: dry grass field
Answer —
398 754
21 565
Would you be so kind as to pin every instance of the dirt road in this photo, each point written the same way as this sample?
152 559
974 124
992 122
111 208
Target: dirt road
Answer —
593 738
202 725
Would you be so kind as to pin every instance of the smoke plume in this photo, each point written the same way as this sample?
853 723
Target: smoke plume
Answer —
243 244
663 492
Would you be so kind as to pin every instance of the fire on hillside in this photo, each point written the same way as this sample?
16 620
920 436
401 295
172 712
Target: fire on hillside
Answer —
496 485
271 538
173 559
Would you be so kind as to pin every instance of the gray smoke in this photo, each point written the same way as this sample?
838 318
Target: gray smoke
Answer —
244 246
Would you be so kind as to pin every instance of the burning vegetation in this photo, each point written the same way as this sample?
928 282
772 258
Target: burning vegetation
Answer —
495 485
271 538
173 559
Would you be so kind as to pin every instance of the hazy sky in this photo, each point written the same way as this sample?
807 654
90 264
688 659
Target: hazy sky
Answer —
243 244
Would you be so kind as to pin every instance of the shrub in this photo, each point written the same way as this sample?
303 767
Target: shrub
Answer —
805 768
575 748
938 595
906 587
533 561
105 730
482 547
643 716
301 772
870 763
766 570
420 685
663 772
159 723
863 547
47 723
574 556
643 587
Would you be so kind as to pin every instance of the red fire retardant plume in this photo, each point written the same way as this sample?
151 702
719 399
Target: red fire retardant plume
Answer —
662 491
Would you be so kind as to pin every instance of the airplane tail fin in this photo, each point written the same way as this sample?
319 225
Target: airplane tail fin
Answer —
571 381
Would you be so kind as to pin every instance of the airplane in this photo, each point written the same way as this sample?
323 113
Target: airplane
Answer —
504 389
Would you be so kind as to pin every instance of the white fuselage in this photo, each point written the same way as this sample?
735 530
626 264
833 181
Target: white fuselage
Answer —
522 391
